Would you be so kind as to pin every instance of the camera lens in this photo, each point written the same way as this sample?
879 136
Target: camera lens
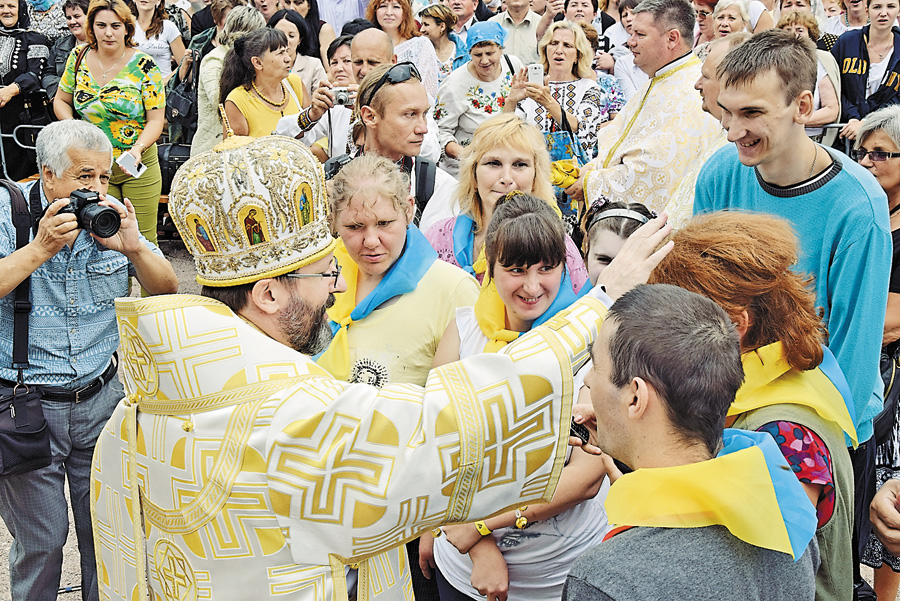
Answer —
103 221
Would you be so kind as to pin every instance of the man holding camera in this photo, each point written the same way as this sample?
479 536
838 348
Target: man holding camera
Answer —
75 277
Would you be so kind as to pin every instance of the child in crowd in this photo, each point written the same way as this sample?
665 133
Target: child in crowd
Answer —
606 227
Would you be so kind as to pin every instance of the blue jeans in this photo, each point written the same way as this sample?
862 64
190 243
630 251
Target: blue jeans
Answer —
33 505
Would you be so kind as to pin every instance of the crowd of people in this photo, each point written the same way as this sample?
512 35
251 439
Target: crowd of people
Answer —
501 299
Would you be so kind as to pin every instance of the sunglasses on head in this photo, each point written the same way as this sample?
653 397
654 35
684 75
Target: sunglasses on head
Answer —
397 74
876 156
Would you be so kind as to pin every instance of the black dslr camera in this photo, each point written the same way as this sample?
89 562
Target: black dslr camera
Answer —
95 218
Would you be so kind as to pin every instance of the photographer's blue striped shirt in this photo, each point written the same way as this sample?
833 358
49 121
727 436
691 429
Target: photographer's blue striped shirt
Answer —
72 326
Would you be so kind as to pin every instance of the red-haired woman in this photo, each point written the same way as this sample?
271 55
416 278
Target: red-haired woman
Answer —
793 387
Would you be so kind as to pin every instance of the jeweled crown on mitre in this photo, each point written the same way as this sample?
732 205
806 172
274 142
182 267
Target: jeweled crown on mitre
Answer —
251 208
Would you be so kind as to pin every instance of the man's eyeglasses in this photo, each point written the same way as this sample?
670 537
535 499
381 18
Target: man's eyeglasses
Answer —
328 274
702 14
875 155
397 74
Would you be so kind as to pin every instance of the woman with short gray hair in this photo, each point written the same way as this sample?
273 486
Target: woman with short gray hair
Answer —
731 16
878 150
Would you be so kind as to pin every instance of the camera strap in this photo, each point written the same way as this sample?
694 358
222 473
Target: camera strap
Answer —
34 200
22 220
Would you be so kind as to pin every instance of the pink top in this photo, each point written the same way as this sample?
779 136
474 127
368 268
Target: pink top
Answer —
440 235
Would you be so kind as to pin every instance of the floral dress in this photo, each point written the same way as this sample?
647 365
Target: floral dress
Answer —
464 102
120 107
613 95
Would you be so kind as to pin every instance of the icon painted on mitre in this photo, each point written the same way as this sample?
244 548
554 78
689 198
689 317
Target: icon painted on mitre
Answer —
304 204
254 221
201 234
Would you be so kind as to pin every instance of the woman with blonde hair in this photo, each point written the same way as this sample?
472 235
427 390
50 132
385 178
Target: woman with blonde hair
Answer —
395 18
793 387
388 265
506 154
570 91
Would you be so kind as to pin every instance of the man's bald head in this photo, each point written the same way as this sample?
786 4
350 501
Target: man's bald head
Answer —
370 48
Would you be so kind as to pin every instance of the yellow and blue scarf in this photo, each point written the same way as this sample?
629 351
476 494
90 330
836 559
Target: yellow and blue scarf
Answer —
402 277
464 246
770 380
490 312
747 488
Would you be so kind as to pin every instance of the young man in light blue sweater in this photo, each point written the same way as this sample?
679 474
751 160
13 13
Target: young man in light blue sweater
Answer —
837 208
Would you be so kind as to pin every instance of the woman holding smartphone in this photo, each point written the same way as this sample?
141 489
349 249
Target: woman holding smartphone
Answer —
119 89
571 83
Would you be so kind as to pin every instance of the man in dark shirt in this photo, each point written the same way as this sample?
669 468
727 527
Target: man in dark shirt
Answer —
697 518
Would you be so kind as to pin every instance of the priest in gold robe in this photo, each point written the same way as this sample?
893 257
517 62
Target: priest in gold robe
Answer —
647 149
237 468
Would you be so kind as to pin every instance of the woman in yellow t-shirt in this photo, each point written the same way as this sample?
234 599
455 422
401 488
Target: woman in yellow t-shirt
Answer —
257 87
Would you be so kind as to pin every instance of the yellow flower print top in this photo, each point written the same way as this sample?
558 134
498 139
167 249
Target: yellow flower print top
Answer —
120 107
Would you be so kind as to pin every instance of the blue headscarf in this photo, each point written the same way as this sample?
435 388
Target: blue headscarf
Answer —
485 31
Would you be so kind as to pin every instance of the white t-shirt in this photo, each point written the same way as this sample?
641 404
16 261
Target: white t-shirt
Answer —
837 26
540 556
817 101
756 9
630 76
159 48
617 35
876 74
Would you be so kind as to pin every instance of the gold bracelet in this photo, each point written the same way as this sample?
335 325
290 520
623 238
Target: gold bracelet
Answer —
482 528
521 520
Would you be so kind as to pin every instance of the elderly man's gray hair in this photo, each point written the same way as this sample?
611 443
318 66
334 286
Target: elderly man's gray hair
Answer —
57 139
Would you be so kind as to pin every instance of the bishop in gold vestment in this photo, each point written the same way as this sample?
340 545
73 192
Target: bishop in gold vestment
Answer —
237 468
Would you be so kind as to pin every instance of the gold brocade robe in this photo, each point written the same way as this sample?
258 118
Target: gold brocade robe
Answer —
237 468
652 143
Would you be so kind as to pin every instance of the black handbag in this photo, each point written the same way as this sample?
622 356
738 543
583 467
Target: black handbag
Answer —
24 434
36 113
171 157
890 373
181 100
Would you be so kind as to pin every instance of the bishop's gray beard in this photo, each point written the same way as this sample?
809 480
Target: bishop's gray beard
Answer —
306 327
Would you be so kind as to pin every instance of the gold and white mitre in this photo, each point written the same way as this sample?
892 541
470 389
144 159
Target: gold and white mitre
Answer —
252 208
